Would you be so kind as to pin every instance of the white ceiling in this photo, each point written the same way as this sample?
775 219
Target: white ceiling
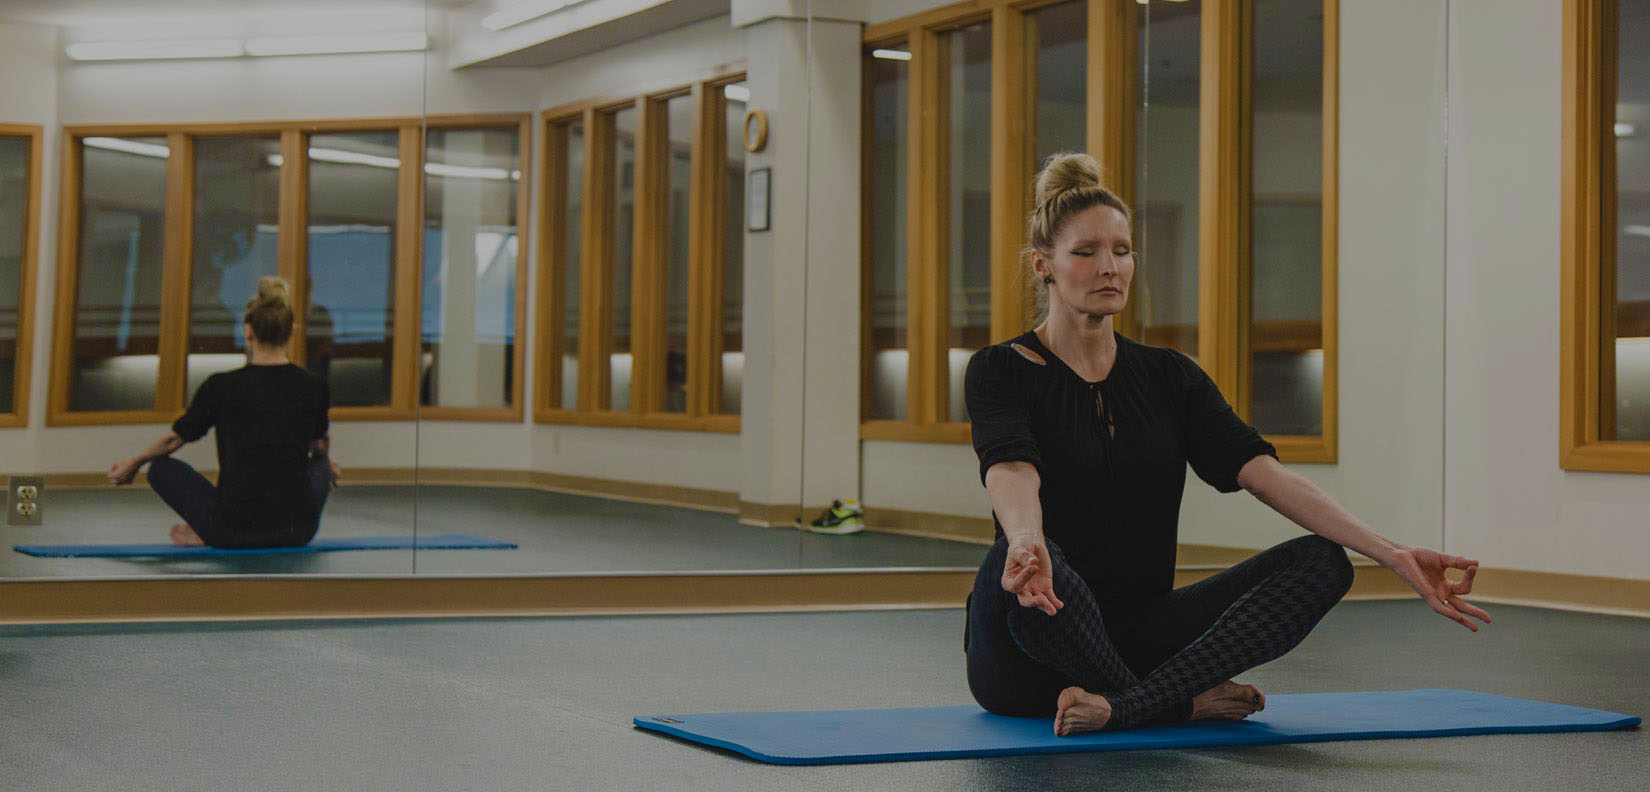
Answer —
110 13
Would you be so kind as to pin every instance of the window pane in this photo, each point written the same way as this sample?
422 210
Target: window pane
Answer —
624 224
1165 212
889 361
1632 275
1287 217
14 220
969 54
572 236
237 220
469 306
680 118
733 253
118 287
1062 78
353 187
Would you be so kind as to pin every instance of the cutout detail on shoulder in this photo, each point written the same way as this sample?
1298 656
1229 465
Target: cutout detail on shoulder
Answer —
1029 355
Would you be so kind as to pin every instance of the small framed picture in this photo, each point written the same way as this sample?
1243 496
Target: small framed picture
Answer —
756 197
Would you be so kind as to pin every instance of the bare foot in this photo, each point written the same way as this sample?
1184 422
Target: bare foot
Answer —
182 534
1080 711
1228 701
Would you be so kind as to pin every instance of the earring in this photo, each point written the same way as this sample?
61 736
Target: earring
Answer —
1048 279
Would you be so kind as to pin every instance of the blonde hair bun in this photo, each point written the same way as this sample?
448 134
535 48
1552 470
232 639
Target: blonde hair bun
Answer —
273 289
270 311
1065 172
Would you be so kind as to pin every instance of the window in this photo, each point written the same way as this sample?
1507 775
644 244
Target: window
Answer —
1289 357
19 234
885 366
1215 121
1166 171
237 198
1605 327
352 235
400 313
472 272
642 270
114 253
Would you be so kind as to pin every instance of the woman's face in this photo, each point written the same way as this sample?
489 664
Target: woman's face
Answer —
1091 261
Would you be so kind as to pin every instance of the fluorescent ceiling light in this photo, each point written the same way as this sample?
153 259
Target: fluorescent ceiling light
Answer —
1636 230
154 50
891 54
463 172
341 157
127 146
522 12
337 43
1625 130
737 93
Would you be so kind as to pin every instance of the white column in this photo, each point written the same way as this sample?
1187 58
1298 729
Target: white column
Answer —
801 391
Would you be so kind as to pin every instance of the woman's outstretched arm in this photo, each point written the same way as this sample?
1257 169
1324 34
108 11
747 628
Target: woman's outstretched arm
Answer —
124 471
1027 572
1296 497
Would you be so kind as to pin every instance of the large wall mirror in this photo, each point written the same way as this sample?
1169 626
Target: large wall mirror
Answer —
569 322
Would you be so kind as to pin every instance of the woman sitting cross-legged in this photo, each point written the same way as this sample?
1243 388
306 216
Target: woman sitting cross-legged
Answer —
1084 437
271 420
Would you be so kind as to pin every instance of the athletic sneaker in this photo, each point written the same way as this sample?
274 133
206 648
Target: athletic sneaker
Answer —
844 517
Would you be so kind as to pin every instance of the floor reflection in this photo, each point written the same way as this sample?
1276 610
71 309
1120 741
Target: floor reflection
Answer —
556 533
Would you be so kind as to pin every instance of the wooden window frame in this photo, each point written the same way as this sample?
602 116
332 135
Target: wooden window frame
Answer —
1226 336
649 260
1587 304
28 271
1225 154
291 257
1110 111
523 124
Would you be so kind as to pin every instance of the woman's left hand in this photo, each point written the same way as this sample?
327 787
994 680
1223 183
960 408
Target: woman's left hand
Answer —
1423 570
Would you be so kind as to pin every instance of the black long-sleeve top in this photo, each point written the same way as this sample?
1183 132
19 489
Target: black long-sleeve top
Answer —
1111 500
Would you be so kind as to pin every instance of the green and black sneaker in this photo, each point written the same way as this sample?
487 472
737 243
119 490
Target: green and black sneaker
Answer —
844 517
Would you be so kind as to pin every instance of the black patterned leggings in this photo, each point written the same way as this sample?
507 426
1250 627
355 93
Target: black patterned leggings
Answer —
1149 660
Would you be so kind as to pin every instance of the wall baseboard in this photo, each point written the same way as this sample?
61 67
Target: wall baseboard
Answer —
1624 596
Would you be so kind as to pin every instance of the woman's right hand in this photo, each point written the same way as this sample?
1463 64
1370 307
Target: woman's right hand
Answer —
122 472
1029 574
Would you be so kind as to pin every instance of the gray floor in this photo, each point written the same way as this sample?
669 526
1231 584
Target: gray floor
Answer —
546 704
557 533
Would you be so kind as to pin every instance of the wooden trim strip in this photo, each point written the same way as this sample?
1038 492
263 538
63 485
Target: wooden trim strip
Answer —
524 194
68 277
409 261
704 250
928 229
732 71
28 273
177 278
1331 228
953 15
1013 151
251 598
1111 93
1223 216
292 242
901 431
552 269
719 423
241 128
649 256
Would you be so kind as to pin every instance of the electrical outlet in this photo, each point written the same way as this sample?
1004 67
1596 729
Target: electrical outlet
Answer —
24 495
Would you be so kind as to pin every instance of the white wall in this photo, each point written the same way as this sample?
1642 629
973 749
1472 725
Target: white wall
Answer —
27 58
1508 503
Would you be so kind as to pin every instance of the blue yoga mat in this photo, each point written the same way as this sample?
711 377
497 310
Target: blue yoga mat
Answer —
437 542
848 736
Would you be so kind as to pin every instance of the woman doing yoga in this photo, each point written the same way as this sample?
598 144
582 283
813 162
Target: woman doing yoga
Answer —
271 420
1083 438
